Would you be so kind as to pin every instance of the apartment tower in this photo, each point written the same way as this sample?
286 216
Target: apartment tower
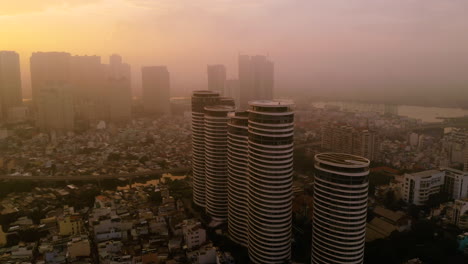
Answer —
270 168
238 152
200 100
340 208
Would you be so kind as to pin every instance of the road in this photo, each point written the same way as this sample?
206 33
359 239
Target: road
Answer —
94 177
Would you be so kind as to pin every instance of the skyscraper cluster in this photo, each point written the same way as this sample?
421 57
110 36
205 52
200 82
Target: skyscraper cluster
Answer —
243 168
255 80
66 88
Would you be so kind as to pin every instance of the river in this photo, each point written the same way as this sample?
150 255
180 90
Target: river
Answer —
425 114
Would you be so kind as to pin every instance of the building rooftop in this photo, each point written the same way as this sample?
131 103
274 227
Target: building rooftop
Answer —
342 159
426 173
271 103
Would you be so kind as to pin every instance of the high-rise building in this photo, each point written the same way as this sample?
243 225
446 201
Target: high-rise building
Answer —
156 89
216 168
120 100
118 90
350 140
256 79
270 167
49 67
200 99
232 90
216 78
10 82
238 179
119 69
340 208
87 78
55 111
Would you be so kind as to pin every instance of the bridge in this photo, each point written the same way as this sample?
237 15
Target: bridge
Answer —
127 176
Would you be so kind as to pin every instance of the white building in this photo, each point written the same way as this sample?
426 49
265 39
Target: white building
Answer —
457 214
418 187
340 208
194 234
270 168
456 183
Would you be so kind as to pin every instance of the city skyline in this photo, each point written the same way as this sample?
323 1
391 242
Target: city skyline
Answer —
325 47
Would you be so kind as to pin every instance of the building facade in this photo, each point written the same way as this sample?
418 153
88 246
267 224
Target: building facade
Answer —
418 187
340 208
216 171
11 95
270 167
350 140
216 78
256 79
156 89
200 99
238 179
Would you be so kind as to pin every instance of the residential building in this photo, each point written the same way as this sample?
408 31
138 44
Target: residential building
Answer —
270 167
47 67
455 183
10 83
216 171
256 79
200 99
216 78
70 225
340 208
349 140
120 100
232 89
457 214
194 234
238 179
156 89
55 111
418 187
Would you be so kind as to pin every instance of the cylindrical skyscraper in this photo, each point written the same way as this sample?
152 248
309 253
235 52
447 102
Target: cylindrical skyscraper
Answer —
200 99
270 165
216 171
238 178
340 208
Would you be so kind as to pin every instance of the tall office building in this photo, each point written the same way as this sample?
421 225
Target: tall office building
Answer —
10 82
270 166
87 77
216 78
118 90
340 208
156 89
55 111
350 140
200 100
216 171
232 90
256 79
49 67
238 178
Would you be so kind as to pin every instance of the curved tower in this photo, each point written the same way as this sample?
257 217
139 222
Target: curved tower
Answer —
200 99
238 178
340 208
216 171
271 131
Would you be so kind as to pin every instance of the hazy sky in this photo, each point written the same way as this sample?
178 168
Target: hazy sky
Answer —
317 45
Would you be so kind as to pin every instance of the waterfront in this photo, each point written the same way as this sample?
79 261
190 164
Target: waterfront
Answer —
425 114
